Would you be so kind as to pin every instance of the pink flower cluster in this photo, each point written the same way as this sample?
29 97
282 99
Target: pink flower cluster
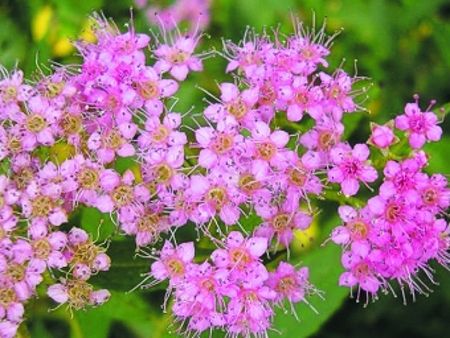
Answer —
233 291
403 228
62 137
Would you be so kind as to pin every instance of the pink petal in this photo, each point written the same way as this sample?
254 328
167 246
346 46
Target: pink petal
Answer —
58 293
229 92
257 246
350 186
280 138
347 213
417 140
361 152
179 72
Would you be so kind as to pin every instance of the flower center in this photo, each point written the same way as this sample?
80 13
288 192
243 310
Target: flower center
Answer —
23 177
430 196
301 98
178 57
7 296
113 140
14 145
149 223
361 270
287 285
85 253
238 109
9 94
334 92
53 89
35 123
79 293
122 195
358 229
326 140
71 124
268 95
42 248
16 272
160 134
239 257
281 222
148 90
266 150
163 173
351 167
2 202
217 197
393 212
208 284
175 266
297 175
248 184
41 206
417 123
88 178
222 144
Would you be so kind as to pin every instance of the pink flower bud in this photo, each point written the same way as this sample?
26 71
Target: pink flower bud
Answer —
102 262
58 293
81 271
382 136
99 297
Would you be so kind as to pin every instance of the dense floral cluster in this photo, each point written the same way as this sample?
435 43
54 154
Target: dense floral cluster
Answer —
401 229
236 291
242 160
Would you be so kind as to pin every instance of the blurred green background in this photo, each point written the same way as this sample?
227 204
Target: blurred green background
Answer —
402 45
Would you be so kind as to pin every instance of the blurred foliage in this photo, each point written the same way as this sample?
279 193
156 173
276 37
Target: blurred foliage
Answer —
401 45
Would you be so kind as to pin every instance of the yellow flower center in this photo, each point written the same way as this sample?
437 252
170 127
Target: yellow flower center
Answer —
35 123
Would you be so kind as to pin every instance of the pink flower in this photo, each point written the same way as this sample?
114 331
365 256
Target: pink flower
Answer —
120 192
219 145
360 272
77 293
289 283
350 167
356 227
282 224
146 223
217 194
382 136
420 126
178 58
268 147
250 312
12 92
109 143
238 105
152 90
241 254
173 262
43 203
338 93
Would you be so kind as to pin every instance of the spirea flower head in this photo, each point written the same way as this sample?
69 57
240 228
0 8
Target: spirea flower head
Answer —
246 173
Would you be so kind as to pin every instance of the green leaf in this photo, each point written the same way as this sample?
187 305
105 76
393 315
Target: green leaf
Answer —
126 270
437 152
129 309
99 225
94 323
